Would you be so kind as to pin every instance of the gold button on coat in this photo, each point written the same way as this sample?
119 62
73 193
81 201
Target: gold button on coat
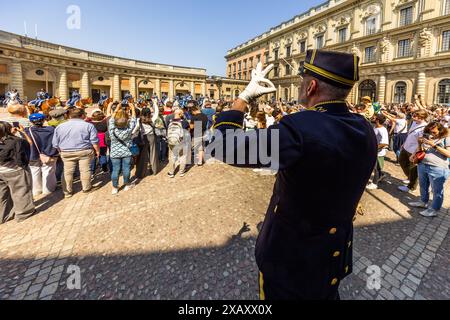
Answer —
346 269
334 282
336 254
349 244
333 231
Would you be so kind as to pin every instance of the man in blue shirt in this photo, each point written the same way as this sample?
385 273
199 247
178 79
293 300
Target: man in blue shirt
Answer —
78 143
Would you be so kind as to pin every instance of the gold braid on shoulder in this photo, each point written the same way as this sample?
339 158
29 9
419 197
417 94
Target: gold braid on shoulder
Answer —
227 124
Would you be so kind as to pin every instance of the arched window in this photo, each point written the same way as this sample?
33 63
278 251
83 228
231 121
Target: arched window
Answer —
400 92
444 91
286 94
367 88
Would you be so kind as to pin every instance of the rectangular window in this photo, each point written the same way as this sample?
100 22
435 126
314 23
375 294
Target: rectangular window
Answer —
288 70
266 57
239 66
303 47
369 55
245 75
275 53
406 16
342 35
251 63
234 67
447 7
258 58
371 26
276 72
245 64
239 76
288 51
446 40
319 42
404 48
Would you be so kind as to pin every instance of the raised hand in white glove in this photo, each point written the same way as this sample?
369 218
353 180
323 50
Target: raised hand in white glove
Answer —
259 85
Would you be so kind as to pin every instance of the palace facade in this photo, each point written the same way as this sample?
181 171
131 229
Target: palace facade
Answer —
28 65
403 45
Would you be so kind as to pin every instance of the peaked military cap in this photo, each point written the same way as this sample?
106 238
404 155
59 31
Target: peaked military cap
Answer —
337 68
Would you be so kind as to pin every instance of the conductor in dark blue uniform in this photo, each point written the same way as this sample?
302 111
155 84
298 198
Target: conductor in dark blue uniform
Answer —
325 157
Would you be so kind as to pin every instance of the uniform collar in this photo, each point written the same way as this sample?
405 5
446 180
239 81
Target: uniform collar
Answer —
335 106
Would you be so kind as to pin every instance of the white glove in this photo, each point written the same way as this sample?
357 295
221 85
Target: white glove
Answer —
255 89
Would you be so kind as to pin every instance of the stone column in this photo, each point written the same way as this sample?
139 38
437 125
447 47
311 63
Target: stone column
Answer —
85 86
421 81
293 92
382 89
133 88
17 78
171 90
63 87
193 89
157 88
280 93
116 88
204 89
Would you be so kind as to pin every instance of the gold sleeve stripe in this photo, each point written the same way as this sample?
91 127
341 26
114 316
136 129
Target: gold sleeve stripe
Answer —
228 124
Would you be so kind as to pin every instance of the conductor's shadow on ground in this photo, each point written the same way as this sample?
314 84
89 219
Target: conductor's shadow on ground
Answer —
226 272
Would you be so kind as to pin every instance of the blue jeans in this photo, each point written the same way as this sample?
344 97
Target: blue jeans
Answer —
436 177
121 165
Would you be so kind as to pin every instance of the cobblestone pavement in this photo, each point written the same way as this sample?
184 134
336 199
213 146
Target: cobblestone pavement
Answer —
194 237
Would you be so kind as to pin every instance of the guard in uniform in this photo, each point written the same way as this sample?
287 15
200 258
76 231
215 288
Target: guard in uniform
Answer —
76 96
103 98
12 96
326 157
41 97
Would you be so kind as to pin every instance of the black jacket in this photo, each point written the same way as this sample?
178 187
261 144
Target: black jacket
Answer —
14 153
326 158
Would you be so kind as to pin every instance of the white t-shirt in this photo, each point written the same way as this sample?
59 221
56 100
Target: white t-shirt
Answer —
382 138
400 126
412 142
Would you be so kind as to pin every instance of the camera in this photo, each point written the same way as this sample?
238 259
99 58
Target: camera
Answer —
428 136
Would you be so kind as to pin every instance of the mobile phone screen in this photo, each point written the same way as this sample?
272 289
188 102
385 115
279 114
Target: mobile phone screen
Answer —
15 124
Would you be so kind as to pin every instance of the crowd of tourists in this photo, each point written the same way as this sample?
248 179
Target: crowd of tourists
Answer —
40 151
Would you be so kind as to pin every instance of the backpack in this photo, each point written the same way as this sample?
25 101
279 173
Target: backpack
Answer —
175 133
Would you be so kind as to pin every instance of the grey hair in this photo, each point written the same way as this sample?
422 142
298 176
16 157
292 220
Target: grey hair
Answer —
329 91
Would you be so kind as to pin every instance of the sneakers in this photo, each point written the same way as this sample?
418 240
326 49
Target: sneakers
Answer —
404 189
128 187
372 186
418 204
429 213
68 195
406 182
115 191
182 174
170 175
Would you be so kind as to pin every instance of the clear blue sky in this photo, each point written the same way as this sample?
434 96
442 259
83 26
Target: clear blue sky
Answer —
194 33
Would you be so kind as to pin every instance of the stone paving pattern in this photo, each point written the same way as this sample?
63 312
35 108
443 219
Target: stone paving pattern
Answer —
193 238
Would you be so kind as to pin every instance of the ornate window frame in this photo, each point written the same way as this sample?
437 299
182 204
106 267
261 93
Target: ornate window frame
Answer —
403 4
343 22
320 30
374 9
